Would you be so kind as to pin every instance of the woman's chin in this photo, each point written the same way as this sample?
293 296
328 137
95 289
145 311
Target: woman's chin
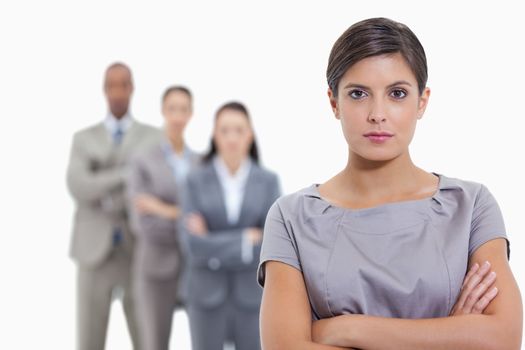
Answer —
378 155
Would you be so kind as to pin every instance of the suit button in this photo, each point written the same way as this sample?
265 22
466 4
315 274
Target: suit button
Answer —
214 264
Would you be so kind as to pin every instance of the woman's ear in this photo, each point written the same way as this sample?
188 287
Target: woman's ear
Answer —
423 102
333 103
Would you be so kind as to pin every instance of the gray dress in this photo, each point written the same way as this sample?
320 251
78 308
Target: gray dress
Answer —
404 259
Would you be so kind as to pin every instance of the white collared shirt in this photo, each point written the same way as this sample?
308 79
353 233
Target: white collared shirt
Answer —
113 124
180 164
233 187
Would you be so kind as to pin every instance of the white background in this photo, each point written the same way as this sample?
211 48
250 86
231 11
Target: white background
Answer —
271 55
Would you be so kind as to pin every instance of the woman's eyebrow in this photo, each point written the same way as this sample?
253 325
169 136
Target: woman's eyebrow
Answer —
364 87
399 82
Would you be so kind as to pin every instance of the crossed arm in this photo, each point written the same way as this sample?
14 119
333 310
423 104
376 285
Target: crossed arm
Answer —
286 318
99 187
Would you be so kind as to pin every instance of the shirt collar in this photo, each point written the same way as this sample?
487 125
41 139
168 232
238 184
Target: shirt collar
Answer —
112 123
445 183
224 173
168 150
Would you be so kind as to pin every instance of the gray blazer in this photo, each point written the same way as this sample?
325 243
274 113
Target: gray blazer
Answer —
157 251
215 267
95 178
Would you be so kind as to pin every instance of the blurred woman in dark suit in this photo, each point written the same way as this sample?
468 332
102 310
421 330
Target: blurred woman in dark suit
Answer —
225 205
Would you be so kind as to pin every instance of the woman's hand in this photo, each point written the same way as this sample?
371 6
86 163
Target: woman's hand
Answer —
254 235
148 204
334 331
196 224
477 291
324 331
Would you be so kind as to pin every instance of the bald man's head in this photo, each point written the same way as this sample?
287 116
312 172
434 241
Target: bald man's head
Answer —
118 86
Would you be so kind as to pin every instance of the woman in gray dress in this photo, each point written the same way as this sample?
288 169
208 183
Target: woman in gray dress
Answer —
226 203
377 256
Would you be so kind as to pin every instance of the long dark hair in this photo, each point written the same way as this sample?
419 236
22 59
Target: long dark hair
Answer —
239 107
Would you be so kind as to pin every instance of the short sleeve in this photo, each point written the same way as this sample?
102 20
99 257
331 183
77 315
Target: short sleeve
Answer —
278 242
487 221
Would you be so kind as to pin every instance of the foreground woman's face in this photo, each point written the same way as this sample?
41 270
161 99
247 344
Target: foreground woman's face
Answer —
233 134
379 104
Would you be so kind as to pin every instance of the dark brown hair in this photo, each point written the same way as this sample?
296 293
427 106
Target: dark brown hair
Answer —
239 107
374 37
176 88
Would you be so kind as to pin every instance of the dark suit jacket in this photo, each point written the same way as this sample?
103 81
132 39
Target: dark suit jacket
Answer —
216 269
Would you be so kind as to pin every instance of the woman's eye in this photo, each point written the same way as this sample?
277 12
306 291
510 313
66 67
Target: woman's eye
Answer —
398 93
357 94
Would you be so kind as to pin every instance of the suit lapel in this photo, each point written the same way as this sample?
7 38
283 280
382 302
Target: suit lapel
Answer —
164 174
129 140
104 144
103 137
105 141
215 193
252 192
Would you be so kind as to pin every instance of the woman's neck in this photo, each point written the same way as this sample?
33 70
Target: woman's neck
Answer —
370 177
370 182
177 142
232 163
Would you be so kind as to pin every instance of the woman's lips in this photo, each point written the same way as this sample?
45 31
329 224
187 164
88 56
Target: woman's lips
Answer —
379 137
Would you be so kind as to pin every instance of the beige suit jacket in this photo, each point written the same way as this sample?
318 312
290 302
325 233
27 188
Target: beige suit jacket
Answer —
96 178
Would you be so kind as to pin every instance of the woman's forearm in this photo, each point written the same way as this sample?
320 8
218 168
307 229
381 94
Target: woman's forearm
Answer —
165 210
316 346
455 332
170 211
303 345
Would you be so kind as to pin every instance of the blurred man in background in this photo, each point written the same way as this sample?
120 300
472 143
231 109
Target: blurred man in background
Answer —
102 244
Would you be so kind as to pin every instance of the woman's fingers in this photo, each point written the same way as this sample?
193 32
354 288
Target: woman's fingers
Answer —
196 224
471 272
471 283
478 292
482 303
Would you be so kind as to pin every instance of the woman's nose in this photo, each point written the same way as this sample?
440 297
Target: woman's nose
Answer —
377 113
376 119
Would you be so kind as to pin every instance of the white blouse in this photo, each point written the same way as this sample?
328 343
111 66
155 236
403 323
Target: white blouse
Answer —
233 186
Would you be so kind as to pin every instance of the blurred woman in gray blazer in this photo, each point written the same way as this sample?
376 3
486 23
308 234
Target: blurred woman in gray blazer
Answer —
225 205
154 184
